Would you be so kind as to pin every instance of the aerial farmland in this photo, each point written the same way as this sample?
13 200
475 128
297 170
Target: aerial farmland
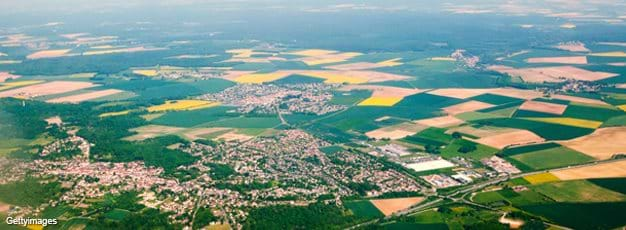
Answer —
241 115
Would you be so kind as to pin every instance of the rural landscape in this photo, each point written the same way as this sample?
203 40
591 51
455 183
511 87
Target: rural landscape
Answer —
313 114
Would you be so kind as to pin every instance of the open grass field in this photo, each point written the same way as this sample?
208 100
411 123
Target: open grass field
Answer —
578 191
589 124
192 118
179 105
541 178
390 206
363 208
545 130
552 158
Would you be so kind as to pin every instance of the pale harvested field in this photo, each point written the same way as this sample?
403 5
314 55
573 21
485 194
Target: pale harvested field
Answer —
516 93
233 136
383 91
6 75
151 131
328 58
440 122
579 99
610 54
74 35
573 47
85 96
568 26
485 131
466 107
390 206
578 60
620 86
543 107
395 132
54 87
48 54
459 93
617 64
313 52
195 134
623 44
602 144
231 75
553 74
351 77
56 120
601 170
518 137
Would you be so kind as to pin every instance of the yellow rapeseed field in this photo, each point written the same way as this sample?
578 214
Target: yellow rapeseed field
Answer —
380 101
146 72
622 107
13 84
541 178
390 63
182 105
569 121
442 59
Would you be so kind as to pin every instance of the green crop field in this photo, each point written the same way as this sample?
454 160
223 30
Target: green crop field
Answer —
495 99
615 184
363 208
194 117
545 130
578 191
482 151
582 215
592 113
551 158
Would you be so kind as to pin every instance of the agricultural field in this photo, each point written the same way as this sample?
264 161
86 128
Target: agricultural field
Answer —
360 115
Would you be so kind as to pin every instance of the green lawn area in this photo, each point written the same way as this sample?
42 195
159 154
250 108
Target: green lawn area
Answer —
578 191
488 197
363 208
551 158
